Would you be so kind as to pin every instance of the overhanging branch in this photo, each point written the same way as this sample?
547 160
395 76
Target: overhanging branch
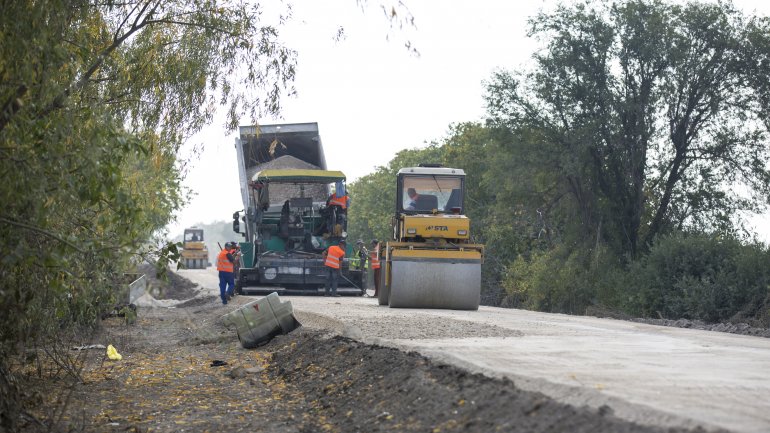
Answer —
42 232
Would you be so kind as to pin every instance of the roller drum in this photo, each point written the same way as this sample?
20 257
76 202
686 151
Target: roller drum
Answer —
427 283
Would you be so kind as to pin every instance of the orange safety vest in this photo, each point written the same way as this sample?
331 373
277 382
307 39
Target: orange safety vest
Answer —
223 264
333 256
338 201
375 257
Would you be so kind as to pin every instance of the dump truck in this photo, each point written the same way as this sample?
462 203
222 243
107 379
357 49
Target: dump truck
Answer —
195 254
286 220
431 261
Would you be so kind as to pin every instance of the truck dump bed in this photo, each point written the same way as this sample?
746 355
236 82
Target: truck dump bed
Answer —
288 145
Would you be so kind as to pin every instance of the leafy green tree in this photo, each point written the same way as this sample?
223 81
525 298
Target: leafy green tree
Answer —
644 116
508 179
95 100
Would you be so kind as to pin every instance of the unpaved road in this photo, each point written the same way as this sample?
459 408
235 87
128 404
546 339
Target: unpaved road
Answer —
652 375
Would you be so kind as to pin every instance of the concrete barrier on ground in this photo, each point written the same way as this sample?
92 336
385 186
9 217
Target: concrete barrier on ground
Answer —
259 321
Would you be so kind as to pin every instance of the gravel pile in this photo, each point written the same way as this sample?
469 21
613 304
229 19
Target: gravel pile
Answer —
281 192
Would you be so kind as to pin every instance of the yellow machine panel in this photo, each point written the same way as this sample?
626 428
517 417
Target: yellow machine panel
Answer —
453 256
194 245
436 226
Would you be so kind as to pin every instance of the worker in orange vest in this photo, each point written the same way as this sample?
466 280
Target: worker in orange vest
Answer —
333 264
337 205
374 263
226 268
341 201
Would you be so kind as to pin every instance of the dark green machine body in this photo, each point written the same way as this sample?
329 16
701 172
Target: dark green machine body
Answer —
286 221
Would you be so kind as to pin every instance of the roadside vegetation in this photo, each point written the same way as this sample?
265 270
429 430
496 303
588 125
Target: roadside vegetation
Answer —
96 99
614 173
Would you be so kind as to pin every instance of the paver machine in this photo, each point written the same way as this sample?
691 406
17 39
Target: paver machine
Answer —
287 220
431 261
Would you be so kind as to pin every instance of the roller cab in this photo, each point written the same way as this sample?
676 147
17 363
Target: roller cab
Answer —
431 261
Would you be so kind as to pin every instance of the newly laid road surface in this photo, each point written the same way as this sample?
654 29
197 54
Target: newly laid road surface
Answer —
648 374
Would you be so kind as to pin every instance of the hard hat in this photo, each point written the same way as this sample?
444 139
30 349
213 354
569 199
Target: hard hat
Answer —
360 241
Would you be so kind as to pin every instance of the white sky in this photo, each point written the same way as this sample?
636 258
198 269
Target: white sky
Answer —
370 97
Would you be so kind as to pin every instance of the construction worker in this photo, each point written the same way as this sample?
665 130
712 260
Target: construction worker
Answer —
359 261
341 201
333 264
226 268
413 197
337 205
374 263
360 258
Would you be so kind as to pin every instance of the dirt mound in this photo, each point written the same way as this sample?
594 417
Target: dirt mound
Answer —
170 286
356 387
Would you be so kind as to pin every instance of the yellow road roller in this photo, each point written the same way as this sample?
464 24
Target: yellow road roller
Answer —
430 261
195 254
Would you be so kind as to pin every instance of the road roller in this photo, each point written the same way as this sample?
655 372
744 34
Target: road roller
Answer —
431 262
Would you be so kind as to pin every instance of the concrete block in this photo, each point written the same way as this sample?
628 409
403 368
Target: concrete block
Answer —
259 321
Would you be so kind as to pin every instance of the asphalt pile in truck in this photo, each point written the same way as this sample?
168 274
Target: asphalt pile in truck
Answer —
317 192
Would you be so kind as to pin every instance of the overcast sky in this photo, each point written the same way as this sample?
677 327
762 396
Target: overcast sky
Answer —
370 96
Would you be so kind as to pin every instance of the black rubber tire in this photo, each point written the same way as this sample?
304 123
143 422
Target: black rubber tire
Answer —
238 289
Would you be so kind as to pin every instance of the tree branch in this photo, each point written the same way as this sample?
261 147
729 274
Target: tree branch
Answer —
41 231
191 24
117 41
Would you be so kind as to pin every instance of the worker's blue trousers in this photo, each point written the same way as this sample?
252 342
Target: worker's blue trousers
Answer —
226 285
332 279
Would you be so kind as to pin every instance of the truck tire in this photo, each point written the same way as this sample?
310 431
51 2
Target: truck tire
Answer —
238 289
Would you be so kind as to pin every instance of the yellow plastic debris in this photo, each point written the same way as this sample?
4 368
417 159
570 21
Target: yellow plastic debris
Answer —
113 354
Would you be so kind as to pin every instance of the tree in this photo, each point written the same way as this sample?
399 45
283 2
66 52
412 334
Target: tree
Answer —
95 100
646 114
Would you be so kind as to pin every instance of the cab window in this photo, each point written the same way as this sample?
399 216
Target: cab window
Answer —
425 193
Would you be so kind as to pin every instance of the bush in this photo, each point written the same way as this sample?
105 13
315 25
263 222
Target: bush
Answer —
564 281
700 277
